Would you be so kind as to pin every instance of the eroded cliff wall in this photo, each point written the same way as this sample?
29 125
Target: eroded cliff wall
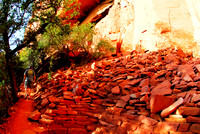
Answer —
150 24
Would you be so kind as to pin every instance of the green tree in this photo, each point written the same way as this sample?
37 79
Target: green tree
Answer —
81 37
13 16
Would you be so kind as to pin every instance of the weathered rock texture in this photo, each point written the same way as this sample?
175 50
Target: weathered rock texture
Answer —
117 95
144 24
151 24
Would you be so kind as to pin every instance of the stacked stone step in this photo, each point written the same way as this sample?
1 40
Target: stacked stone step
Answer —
147 92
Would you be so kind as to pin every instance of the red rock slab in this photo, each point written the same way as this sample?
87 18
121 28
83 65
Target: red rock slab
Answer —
35 115
163 88
46 116
147 120
171 66
188 110
121 103
44 102
144 82
160 102
166 127
46 121
134 82
115 90
68 93
184 127
186 69
195 98
172 107
187 78
125 98
124 83
145 89
195 128
193 119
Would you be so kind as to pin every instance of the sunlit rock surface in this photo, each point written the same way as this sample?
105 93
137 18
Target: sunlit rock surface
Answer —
151 24
145 24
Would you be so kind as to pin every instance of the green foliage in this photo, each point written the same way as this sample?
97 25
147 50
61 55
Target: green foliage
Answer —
49 75
3 72
31 56
81 36
102 48
53 38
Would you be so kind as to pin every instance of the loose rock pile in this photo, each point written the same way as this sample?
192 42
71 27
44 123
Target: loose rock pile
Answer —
144 93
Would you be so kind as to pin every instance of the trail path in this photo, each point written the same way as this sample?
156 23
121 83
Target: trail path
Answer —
18 122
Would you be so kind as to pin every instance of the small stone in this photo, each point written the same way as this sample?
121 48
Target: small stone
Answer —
187 78
186 69
116 90
126 98
35 115
92 91
52 105
121 103
134 82
44 102
135 96
147 120
46 116
144 82
46 121
144 98
195 98
68 93
145 89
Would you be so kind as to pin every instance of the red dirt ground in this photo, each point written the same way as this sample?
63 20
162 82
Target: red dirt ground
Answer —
18 122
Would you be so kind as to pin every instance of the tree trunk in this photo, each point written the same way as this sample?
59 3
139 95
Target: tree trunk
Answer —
11 73
9 66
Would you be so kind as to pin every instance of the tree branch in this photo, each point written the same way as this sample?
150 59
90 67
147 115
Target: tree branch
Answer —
29 38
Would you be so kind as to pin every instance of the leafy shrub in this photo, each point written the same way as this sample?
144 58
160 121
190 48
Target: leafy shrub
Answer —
102 48
81 37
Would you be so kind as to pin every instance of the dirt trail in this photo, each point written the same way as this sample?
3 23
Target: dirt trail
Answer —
18 122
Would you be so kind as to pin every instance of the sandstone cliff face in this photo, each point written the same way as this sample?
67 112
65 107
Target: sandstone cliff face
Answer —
151 24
